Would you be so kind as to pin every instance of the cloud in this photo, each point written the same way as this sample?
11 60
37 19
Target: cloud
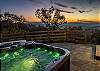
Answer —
65 11
73 8
85 20
82 11
36 1
59 4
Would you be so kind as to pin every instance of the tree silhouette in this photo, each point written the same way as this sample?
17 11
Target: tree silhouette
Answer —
11 23
50 17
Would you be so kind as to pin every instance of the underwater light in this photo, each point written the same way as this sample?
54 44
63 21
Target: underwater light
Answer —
25 65
14 56
21 49
45 50
38 48
50 52
16 53
6 55
55 55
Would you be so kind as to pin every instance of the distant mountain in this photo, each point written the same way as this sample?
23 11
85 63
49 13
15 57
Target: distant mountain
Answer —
88 21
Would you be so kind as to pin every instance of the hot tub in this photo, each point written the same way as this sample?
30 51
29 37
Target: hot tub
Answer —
31 56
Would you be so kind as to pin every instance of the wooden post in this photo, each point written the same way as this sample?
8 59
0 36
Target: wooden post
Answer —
48 35
85 36
66 34
94 51
1 37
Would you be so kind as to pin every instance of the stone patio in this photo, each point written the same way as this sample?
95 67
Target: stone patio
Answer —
81 57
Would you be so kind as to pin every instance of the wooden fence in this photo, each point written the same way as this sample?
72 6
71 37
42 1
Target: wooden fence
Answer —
79 36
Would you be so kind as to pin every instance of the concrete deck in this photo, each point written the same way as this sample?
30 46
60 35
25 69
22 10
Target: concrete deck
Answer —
81 57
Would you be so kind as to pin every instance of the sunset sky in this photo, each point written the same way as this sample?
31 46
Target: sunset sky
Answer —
27 8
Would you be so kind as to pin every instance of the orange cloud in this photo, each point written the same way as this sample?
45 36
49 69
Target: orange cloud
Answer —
32 19
71 20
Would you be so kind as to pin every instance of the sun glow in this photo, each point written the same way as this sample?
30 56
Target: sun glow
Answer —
68 19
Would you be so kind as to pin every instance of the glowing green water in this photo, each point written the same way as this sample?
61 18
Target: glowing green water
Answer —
27 59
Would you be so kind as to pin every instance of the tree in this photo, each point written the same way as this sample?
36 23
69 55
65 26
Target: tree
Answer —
50 17
11 23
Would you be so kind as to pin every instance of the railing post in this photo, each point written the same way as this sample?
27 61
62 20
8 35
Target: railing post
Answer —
85 34
66 34
48 37
1 37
